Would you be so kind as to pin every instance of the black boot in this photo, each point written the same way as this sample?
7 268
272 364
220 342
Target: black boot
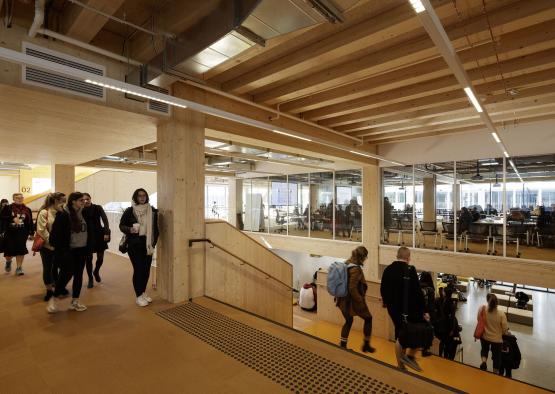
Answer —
366 348
343 343
49 294
91 283
96 274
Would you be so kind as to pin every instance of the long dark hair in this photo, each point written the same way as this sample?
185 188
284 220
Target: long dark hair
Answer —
136 196
51 200
76 225
426 279
358 255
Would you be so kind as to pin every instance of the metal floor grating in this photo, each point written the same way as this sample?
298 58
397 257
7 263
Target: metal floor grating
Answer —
295 368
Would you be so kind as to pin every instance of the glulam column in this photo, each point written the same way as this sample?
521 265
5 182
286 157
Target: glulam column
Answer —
180 156
371 219
64 178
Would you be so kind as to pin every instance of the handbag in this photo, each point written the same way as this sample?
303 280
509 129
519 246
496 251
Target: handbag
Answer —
123 244
38 241
481 324
413 335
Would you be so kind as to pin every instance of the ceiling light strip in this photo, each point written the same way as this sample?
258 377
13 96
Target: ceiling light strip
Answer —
113 84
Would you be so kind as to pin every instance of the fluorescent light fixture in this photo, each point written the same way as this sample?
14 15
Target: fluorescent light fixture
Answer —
417 5
149 97
292 135
506 154
360 153
473 99
496 137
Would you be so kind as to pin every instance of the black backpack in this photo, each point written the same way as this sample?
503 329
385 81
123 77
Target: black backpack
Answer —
510 352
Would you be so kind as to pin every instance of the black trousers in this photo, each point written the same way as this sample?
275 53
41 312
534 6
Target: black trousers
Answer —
49 268
72 265
346 329
448 348
141 264
89 263
495 352
503 371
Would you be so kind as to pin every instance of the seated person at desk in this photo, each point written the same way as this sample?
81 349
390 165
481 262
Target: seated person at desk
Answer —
544 219
475 214
491 210
465 219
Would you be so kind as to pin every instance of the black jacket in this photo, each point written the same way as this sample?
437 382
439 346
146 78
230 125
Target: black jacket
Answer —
7 217
392 289
128 219
97 225
60 234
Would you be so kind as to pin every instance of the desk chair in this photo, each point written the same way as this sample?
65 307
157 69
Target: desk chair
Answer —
429 228
404 228
280 221
479 232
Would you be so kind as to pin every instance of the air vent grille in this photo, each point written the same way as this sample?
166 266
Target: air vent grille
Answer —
46 79
157 106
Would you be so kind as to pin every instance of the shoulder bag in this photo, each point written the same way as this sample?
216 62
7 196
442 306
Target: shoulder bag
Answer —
38 241
123 244
413 335
481 324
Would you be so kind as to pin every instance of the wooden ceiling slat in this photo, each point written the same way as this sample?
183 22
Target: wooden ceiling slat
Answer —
429 87
425 70
388 24
83 24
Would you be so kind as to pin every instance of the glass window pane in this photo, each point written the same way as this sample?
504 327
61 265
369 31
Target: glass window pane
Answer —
348 210
216 198
481 197
321 204
247 204
278 204
299 204
397 214
259 205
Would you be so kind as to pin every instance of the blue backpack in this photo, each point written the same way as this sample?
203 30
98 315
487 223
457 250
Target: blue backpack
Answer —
338 279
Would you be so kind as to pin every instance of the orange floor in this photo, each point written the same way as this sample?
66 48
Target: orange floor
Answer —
454 374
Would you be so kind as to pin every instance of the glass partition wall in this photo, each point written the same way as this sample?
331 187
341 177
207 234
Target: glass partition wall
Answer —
459 206
324 205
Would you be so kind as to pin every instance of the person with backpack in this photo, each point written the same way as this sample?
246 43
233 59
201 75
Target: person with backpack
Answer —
353 302
510 356
401 295
494 328
429 293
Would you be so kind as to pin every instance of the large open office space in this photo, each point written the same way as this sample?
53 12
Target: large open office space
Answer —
274 137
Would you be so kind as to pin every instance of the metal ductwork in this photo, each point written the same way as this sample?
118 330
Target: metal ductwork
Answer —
232 27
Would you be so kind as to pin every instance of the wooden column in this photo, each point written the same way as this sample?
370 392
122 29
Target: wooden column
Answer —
429 199
64 178
181 204
371 219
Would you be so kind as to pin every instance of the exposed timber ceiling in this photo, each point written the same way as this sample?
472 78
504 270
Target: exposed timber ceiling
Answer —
375 75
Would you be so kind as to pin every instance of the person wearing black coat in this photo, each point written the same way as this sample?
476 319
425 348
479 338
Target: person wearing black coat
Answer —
392 292
139 223
99 236
18 228
69 237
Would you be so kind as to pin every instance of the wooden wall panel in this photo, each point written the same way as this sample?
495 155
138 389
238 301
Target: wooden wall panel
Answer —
230 281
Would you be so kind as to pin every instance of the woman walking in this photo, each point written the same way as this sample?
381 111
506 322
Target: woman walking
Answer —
492 338
18 225
354 304
45 219
69 238
99 235
140 225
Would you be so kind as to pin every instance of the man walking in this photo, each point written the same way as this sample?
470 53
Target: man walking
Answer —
392 290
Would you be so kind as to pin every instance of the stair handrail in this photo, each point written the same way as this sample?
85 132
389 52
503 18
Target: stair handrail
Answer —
268 276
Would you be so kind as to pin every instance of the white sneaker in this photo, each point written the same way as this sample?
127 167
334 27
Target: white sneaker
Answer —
77 306
146 297
52 307
141 301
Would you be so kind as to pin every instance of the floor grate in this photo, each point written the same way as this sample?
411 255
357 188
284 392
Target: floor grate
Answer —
295 368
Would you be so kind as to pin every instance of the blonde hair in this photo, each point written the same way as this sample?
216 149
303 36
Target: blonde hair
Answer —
358 255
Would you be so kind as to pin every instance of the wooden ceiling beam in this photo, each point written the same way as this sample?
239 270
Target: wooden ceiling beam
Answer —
364 128
461 130
229 126
497 120
396 55
514 41
511 106
318 134
83 24
383 26
426 88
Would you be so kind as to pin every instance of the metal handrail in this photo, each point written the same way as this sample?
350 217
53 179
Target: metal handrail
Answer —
243 261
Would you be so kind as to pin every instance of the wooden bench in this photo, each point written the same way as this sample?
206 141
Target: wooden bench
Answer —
504 301
503 289
520 316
